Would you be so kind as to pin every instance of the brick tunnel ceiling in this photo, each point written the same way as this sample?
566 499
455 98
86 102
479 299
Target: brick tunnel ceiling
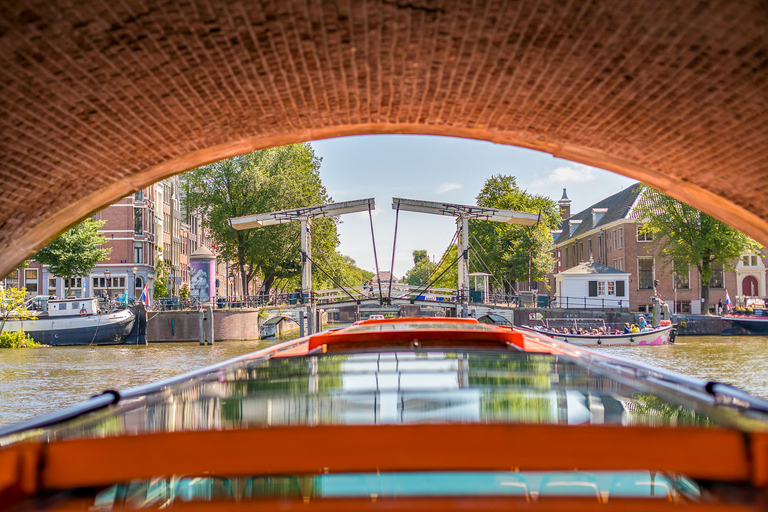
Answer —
100 98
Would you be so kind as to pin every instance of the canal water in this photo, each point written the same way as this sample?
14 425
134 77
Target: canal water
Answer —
37 381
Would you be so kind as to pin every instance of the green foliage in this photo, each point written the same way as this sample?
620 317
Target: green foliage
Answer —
75 252
162 269
184 291
422 267
685 236
13 306
509 245
259 182
17 339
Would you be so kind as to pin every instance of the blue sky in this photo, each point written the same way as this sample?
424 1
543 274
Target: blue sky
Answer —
436 169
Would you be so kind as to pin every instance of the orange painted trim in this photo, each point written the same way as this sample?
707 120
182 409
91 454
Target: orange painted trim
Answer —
711 454
450 334
429 504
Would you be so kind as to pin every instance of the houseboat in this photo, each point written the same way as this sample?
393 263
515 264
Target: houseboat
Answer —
76 322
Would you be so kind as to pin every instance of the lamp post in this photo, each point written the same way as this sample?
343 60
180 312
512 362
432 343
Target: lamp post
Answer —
134 283
106 279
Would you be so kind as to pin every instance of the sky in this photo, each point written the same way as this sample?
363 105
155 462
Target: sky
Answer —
442 169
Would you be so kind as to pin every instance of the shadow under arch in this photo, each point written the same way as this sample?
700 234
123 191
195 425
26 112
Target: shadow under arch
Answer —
36 237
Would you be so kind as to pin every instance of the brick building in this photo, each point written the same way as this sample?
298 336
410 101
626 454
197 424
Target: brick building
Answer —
608 233
142 228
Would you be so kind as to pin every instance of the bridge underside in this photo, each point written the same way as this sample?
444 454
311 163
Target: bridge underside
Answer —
102 98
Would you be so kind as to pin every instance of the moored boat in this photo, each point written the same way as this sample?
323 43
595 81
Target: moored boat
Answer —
76 322
756 323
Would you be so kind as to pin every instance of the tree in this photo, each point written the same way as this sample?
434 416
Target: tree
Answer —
683 236
162 271
13 306
422 267
259 182
509 246
76 252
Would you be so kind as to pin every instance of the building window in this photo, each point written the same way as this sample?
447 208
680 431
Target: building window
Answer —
601 287
749 260
566 257
77 282
683 306
52 286
683 281
716 281
600 248
590 247
138 224
621 238
643 234
615 239
30 280
611 288
621 264
138 253
645 273
139 195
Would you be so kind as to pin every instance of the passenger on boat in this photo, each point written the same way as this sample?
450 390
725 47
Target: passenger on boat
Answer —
642 323
566 331
627 328
634 328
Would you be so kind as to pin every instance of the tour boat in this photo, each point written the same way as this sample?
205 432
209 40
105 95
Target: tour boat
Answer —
401 414
76 322
659 336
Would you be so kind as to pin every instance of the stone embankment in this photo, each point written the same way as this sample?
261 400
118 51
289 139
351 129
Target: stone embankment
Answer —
228 325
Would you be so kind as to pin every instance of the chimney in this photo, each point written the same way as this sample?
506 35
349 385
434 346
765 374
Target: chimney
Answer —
565 206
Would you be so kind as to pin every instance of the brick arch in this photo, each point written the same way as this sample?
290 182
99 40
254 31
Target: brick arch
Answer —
100 98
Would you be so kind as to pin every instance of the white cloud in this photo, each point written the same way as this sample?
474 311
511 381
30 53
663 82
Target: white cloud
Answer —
447 187
575 173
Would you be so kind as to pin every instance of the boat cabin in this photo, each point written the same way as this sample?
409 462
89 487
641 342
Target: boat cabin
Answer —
73 307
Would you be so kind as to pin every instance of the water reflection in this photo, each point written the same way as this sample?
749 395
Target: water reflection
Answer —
33 382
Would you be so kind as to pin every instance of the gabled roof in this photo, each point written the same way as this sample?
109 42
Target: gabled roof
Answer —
619 207
592 267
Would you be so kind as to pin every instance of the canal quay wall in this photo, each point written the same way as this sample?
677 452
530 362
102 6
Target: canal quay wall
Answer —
178 326
687 325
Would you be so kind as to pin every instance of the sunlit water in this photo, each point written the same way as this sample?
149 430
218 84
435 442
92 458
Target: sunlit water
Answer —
36 381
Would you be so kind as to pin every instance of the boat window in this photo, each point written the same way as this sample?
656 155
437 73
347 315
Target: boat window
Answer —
601 486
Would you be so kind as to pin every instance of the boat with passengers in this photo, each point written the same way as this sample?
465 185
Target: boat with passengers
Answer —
593 332
400 414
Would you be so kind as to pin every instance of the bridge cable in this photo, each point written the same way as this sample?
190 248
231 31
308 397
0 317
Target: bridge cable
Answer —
486 269
441 275
392 265
494 263
285 253
375 257
442 258
343 282
327 274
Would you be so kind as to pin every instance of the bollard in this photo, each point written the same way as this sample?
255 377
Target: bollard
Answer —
310 330
209 314
201 323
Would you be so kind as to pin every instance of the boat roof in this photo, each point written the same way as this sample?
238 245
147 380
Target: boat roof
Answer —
399 396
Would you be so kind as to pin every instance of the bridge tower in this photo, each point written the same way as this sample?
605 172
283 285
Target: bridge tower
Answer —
463 213
303 215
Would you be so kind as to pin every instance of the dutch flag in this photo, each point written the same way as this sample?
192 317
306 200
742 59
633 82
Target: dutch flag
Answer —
145 295
727 301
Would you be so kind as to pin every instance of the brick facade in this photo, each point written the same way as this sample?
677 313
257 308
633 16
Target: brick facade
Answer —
611 232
